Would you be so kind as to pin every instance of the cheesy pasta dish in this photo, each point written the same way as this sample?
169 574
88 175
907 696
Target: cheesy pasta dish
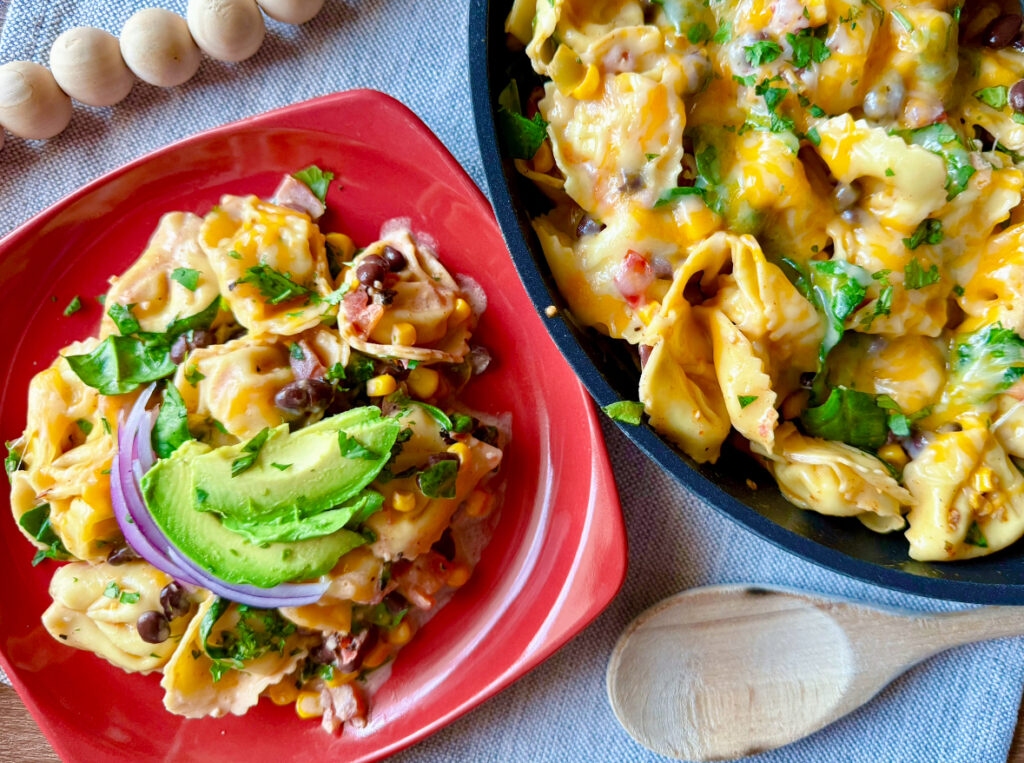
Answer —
806 216
257 471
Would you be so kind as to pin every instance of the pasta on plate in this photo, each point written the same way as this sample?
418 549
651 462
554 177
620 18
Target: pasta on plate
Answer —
258 473
807 218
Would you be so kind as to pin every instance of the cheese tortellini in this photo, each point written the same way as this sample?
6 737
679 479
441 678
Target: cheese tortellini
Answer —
807 219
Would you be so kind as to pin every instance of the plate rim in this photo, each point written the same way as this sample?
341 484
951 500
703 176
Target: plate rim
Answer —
604 495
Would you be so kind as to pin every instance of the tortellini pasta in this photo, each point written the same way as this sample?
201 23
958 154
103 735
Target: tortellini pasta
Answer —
807 219
96 608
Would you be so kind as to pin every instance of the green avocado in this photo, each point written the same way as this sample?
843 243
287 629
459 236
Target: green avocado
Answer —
268 524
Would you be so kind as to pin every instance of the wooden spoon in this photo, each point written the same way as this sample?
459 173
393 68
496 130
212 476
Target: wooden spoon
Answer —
721 672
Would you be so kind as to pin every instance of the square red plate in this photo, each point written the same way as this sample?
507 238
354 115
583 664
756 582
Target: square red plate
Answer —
559 554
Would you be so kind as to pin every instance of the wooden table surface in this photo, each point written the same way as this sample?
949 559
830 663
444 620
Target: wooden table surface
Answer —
21 740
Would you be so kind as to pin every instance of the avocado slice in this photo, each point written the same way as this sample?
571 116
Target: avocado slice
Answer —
299 474
319 492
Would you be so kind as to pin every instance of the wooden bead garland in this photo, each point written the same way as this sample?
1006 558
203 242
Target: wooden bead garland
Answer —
157 46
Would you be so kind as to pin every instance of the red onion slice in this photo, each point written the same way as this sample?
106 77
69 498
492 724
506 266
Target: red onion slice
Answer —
147 539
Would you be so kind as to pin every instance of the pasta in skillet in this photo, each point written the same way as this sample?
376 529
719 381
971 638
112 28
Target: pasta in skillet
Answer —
306 493
807 218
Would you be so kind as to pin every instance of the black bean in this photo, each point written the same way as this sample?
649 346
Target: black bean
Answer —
1002 31
304 396
179 349
807 379
587 226
662 267
445 546
1017 97
395 259
153 627
189 341
121 555
175 601
372 270
436 458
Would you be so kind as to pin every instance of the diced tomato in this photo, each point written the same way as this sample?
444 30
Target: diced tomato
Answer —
635 275
361 312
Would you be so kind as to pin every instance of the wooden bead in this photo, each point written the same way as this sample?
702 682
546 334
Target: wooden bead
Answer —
291 11
31 104
157 46
228 30
87 64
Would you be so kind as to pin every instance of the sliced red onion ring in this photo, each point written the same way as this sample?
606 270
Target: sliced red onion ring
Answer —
133 459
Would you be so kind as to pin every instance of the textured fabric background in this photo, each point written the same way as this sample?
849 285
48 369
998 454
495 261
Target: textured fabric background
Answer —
960 706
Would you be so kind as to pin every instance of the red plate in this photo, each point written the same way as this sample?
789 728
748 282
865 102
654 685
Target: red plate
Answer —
558 557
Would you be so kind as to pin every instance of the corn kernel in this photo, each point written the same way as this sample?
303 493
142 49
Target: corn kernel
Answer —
423 382
588 87
283 693
543 160
462 310
461 450
400 635
377 655
982 480
342 244
382 385
308 705
403 333
340 679
648 311
894 454
458 574
403 500
479 503
975 500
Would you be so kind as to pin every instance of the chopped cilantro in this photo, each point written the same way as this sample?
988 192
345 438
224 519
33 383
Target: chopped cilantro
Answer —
746 400
762 52
916 277
698 33
997 97
251 451
975 537
316 179
73 306
273 285
928 231
112 590
187 277
809 46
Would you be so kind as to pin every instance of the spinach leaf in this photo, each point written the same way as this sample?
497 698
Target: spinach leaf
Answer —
988 361
674 194
121 364
436 414
521 137
625 411
438 481
746 400
941 139
12 462
36 522
171 428
849 416
839 288
380 615
316 179
200 321
123 318
251 451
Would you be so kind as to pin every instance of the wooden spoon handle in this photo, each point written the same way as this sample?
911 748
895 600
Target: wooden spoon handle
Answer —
931 634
